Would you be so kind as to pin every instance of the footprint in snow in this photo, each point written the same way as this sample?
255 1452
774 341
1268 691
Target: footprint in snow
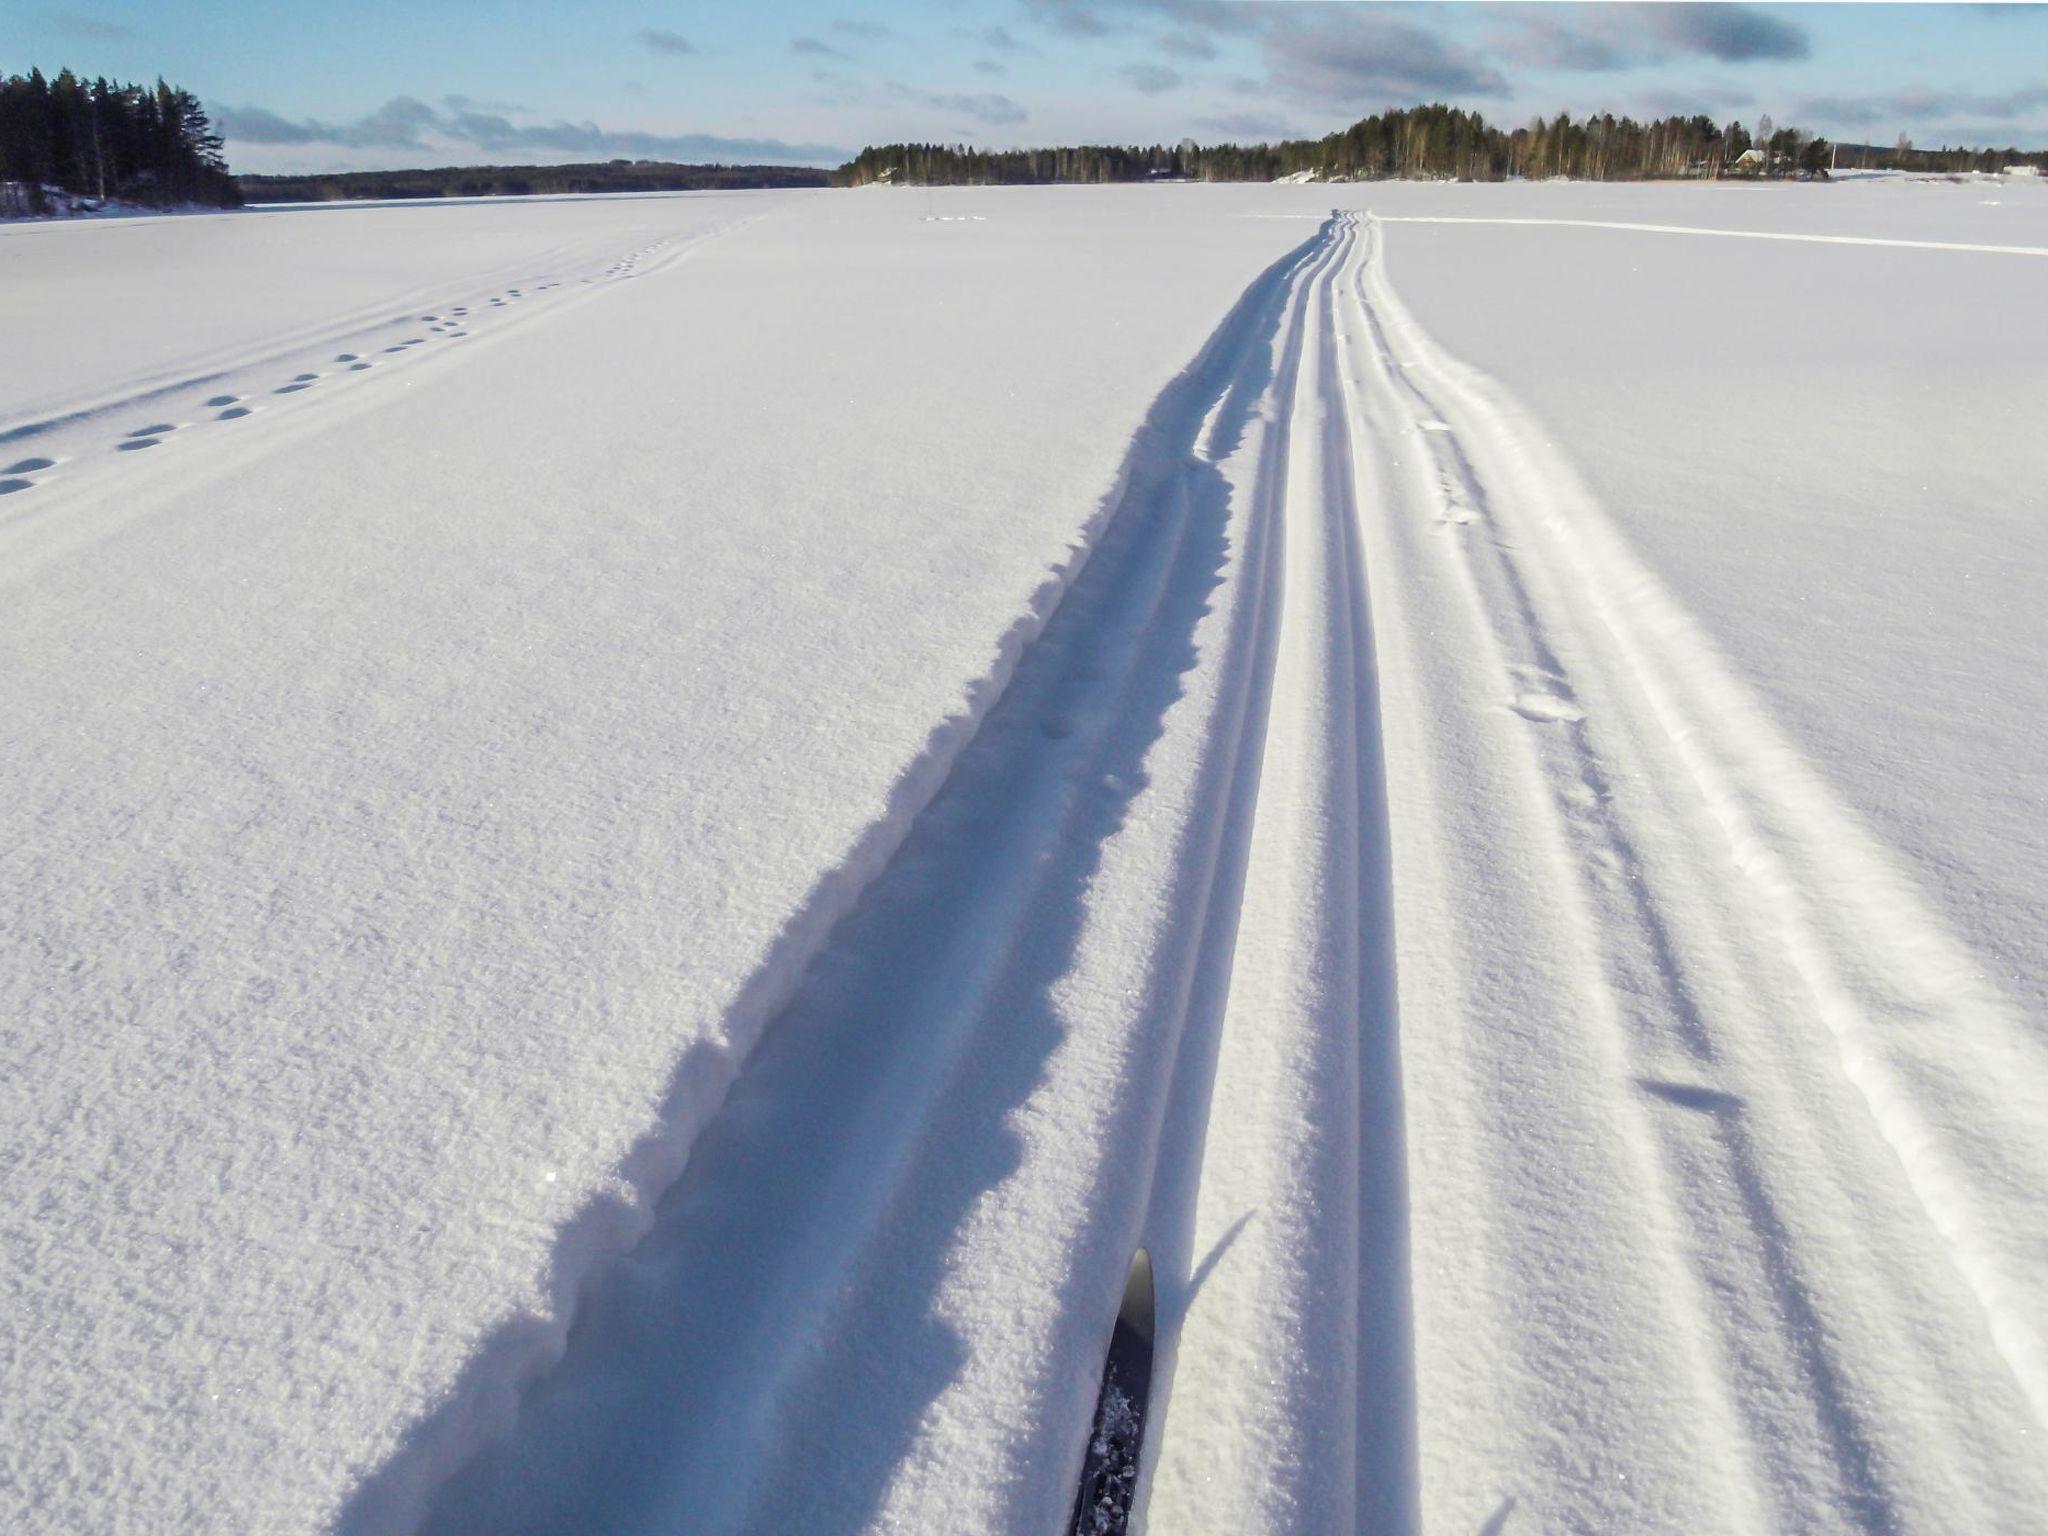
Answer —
1581 796
344 357
357 367
145 437
220 400
299 381
9 484
1546 709
28 466
233 413
1697 1097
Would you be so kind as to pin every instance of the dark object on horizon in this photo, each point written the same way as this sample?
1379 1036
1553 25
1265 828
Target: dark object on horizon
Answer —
525 181
100 140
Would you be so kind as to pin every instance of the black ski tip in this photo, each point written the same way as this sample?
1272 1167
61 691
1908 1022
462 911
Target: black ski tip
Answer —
1109 1471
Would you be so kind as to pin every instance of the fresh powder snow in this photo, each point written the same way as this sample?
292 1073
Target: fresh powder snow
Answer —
645 838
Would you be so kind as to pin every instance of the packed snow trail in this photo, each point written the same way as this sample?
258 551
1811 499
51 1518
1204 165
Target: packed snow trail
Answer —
932 1176
1818 1133
1509 1052
419 796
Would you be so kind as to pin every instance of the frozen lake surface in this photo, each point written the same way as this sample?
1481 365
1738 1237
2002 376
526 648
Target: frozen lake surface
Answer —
644 837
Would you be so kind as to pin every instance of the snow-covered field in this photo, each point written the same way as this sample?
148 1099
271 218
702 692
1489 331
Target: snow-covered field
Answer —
642 838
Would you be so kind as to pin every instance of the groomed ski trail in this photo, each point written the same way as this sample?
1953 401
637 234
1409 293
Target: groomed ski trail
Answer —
1544 1108
932 1175
1728 1198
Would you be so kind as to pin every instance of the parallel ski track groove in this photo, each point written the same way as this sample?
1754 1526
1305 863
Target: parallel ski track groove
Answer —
1127 981
780 1258
1654 1008
1879 974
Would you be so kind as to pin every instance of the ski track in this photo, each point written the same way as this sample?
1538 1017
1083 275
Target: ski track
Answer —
1732 234
1656 1161
1824 1169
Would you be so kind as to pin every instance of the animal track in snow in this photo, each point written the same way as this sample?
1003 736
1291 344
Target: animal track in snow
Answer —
154 431
220 400
28 466
233 413
11 483
1546 709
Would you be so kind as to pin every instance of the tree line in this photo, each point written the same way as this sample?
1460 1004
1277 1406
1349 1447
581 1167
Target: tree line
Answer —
1903 156
1420 143
523 181
100 140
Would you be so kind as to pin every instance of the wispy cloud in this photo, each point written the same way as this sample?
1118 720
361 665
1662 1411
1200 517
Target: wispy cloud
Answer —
92 28
1001 40
989 107
1244 126
1187 45
874 31
1151 79
1353 56
471 104
1734 34
406 123
814 48
1353 59
1707 101
1910 108
661 40
1609 37
1076 18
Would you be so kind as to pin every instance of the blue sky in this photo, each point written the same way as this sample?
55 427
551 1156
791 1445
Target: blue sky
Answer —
379 83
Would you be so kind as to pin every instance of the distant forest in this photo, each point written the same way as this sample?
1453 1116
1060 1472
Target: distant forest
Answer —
100 140
1420 143
524 180
1902 156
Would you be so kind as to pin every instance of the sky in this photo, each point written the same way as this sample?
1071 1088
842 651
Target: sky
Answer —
300 86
